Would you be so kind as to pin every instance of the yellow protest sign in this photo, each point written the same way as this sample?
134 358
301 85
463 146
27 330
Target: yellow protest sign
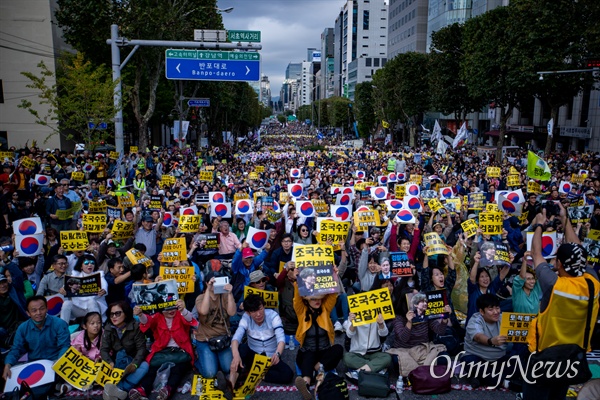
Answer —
365 219
113 155
6 154
257 195
469 227
513 180
435 205
102 189
523 217
97 207
240 196
515 326
253 176
64 215
189 223
28 162
320 206
360 187
74 240
167 180
513 171
184 276
205 176
133 149
533 187
399 190
260 367
270 297
259 169
492 207
311 163
122 230
209 168
283 197
594 234
106 374
137 257
76 369
490 223
94 223
493 172
312 255
368 305
335 231
435 244
453 205
208 387
416 178
77 176
576 178
126 200
174 250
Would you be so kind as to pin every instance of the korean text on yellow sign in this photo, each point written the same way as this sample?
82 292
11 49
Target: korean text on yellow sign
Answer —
64 215
78 176
184 276
399 191
515 326
367 305
97 207
174 250
206 176
122 230
435 244
74 240
259 369
533 187
490 223
270 297
469 227
313 255
259 168
126 201
106 374
335 231
493 172
208 386
137 257
435 205
513 180
76 369
94 223
189 223
365 219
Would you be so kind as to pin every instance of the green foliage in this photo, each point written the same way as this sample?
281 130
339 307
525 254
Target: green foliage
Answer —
281 118
303 113
338 113
365 111
82 93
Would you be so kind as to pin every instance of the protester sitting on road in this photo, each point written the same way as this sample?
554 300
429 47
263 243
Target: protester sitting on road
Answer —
365 352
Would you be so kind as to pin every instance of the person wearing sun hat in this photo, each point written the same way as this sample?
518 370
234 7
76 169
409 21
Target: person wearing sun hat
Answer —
564 305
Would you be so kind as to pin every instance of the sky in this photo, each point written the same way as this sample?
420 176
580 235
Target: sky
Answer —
288 28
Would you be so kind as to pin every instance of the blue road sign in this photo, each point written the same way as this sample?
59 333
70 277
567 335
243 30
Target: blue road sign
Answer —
199 102
212 70
101 125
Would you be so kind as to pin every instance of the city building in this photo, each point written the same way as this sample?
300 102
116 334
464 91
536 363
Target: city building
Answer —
442 13
265 91
407 26
325 81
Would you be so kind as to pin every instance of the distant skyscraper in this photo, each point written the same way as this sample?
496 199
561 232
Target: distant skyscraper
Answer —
444 13
293 70
483 6
265 91
407 26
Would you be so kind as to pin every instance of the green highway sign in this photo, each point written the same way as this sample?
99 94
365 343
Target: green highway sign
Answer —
212 55
244 36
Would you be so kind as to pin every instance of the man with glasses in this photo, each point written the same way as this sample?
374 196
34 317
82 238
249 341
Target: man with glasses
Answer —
54 282
281 258
42 337
56 203
75 202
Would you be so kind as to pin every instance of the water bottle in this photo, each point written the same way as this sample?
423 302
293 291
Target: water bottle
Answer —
187 386
199 387
399 386
292 342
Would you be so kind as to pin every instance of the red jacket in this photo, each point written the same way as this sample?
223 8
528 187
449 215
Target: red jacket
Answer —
180 331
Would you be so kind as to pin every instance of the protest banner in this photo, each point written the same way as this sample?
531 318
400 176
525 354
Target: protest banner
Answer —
74 240
167 181
435 205
335 231
436 301
267 203
533 187
270 297
7 154
493 253
311 163
312 255
361 186
133 149
189 223
492 207
114 212
126 201
513 180
157 296
76 369
78 176
257 195
416 178
579 179
363 220
523 217
490 223
320 206
315 265
435 244
64 215
210 239
259 168
580 214
44 374
94 223
137 257
453 205
155 203
240 196
122 230
205 176
113 155
400 264
469 227
97 207
260 367
184 276
28 162
366 306
174 249
83 286
273 216
253 176
476 201
515 326
209 168
593 248
594 234
493 172
106 374
283 197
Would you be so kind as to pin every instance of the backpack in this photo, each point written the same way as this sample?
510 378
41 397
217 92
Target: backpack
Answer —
333 387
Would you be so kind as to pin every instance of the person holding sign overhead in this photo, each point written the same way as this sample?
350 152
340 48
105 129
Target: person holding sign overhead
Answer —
85 267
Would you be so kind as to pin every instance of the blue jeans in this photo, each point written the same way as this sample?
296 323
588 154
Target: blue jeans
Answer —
130 381
343 301
209 362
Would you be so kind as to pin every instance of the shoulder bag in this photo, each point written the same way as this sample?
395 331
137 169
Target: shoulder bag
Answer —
221 342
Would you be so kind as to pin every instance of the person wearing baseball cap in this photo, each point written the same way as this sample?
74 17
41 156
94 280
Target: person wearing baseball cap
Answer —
569 290
245 262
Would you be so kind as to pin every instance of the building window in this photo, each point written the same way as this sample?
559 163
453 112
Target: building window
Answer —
376 62
366 20
368 62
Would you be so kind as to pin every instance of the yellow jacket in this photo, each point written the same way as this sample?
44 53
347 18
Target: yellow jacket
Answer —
324 319
563 321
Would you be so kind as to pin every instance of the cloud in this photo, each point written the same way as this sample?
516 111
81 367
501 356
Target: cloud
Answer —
288 28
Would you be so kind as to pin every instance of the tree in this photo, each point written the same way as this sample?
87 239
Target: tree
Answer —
490 67
365 112
448 92
83 25
82 94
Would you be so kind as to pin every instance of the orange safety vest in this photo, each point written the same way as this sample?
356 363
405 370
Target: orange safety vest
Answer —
563 321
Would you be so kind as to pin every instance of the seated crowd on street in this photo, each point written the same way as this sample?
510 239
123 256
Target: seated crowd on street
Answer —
159 265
